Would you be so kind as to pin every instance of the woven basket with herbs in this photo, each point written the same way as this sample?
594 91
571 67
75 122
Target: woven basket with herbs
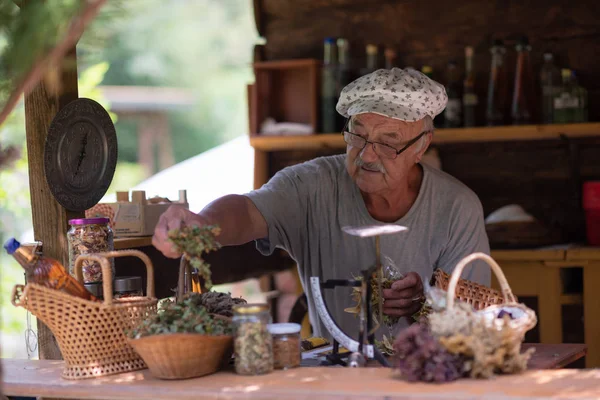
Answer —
456 340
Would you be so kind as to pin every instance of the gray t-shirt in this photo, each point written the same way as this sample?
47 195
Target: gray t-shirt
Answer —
306 206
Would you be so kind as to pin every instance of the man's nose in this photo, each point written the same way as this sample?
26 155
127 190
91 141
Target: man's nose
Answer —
368 154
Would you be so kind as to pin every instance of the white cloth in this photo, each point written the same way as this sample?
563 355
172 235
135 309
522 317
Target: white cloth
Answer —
404 94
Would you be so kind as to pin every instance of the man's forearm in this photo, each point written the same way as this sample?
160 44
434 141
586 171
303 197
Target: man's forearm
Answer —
239 220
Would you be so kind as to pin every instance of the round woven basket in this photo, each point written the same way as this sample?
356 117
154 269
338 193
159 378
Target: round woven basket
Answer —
183 355
523 318
91 334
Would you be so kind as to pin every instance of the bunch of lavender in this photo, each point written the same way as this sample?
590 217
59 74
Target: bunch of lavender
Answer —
420 357
192 241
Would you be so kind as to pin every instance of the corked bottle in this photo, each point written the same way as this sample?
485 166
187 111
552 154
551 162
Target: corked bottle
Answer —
253 344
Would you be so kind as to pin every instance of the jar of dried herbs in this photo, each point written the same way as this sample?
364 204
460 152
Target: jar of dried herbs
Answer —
253 343
88 236
286 345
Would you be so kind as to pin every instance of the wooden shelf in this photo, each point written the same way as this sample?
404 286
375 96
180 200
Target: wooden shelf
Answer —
441 136
132 242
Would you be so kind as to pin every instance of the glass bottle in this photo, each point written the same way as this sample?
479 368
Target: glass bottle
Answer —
427 70
580 110
46 271
328 87
453 111
470 99
521 110
372 59
390 58
253 345
496 95
564 102
342 77
550 79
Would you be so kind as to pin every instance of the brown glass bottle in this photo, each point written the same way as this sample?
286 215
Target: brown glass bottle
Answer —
521 109
496 95
46 271
470 99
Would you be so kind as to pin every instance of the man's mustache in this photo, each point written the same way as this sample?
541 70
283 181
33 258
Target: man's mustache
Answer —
376 166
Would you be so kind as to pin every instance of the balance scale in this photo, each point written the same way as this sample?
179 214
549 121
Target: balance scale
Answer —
364 348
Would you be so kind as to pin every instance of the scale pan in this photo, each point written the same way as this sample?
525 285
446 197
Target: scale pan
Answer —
373 230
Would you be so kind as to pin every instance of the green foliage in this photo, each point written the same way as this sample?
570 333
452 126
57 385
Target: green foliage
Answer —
184 317
193 241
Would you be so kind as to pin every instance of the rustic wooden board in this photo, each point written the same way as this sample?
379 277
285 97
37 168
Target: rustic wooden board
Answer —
30 378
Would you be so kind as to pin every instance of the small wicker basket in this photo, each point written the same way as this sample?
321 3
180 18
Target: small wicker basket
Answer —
523 318
184 355
91 335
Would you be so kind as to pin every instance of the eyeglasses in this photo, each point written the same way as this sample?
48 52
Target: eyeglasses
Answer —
381 149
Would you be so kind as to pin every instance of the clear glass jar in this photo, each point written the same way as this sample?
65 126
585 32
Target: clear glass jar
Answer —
88 236
253 344
127 286
286 345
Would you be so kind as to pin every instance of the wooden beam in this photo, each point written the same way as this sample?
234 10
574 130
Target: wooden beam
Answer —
50 219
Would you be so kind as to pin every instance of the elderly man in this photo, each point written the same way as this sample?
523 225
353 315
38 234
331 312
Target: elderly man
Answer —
380 180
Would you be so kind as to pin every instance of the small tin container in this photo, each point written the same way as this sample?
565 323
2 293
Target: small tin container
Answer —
127 286
96 289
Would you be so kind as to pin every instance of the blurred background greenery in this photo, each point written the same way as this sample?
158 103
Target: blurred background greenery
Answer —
204 46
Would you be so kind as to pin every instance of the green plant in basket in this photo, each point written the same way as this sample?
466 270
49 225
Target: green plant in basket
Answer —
183 317
192 242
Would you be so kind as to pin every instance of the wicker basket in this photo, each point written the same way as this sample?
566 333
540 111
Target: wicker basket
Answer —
523 319
91 335
477 295
184 355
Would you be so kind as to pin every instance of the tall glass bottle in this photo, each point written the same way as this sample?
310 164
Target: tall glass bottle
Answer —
550 79
496 95
328 87
470 99
564 101
521 108
342 77
390 58
46 271
453 111
372 59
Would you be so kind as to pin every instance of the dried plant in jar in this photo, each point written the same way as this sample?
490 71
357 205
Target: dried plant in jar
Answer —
253 349
90 236
286 345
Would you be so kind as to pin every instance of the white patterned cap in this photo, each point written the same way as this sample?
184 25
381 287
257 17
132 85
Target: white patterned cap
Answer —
404 94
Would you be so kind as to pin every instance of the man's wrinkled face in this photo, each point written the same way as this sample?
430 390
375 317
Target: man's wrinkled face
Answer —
372 172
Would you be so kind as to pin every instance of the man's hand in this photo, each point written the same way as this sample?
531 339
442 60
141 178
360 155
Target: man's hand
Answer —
173 218
404 298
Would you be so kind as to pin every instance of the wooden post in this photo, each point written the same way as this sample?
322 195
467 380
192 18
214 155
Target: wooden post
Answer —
50 219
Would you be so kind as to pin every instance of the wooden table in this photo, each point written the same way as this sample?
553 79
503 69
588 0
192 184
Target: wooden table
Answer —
34 378
42 378
537 273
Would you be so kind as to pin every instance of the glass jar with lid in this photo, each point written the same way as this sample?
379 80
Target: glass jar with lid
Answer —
286 345
88 236
127 286
253 345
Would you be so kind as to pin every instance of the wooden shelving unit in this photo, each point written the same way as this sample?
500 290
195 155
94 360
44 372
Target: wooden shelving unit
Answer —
441 136
132 242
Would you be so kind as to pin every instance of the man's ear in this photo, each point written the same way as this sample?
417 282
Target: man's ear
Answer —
428 137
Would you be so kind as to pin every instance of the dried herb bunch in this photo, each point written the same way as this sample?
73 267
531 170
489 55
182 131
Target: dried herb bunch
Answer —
215 302
183 317
386 283
192 242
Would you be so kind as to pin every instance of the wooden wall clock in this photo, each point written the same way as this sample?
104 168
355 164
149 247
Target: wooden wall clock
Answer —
80 155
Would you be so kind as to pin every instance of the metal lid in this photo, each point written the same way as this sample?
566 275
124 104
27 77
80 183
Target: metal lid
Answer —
250 308
128 283
89 221
95 288
284 328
